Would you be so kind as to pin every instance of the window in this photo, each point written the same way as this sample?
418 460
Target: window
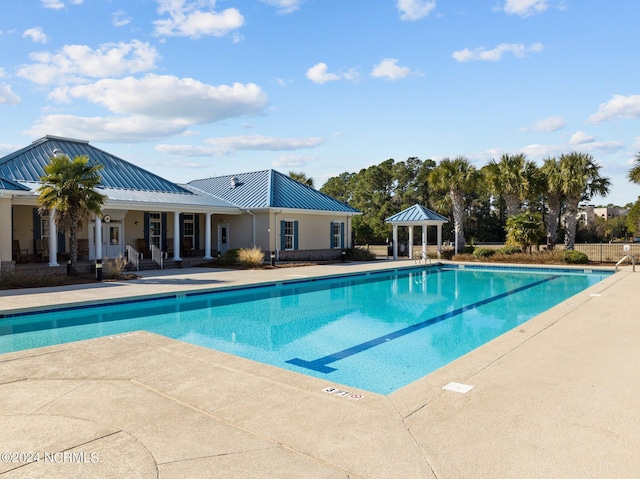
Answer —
288 235
155 230
337 234
44 228
188 228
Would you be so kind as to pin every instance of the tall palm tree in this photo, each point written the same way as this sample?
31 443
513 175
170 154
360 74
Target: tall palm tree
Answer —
459 178
580 181
301 177
69 188
634 173
514 178
553 184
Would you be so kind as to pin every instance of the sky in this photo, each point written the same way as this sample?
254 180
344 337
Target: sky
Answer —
191 89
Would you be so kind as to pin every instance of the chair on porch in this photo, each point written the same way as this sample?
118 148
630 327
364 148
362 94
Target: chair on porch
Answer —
187 247
141 247
20 255
42 250
83 249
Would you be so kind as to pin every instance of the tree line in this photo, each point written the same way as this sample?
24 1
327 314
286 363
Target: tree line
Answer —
510 198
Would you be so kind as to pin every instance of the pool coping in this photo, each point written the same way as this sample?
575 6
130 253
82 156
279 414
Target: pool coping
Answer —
340 434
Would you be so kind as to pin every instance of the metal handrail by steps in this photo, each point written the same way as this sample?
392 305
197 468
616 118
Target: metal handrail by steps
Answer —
133 256
633 262
157 256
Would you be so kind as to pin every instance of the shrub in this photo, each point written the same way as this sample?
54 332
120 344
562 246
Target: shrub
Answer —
361 254
114 268
468 249
251 257
483 252
575 257
230 258
509 250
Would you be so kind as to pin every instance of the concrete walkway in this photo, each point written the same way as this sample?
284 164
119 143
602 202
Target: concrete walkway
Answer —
558 397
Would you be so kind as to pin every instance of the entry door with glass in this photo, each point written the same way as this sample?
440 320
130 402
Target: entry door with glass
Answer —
223 238
111 240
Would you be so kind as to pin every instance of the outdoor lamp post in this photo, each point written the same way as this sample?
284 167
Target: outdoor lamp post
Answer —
272 255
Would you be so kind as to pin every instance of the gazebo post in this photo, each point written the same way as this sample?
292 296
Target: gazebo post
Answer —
395 242
425 240
410 245
439 240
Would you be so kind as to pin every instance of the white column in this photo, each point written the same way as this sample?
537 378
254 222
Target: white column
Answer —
176 236
439 227
425 240
410 245
98 238
395 241
207 236
53 240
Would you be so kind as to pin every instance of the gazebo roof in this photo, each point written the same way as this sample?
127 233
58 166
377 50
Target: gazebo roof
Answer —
416 215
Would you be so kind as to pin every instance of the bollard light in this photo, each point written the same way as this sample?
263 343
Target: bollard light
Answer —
98 270
273 258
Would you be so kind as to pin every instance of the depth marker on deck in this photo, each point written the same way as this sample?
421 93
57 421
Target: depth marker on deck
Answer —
458 387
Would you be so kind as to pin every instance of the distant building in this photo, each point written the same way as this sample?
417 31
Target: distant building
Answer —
588 213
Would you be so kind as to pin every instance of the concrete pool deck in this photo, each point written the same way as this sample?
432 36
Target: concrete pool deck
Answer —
558 397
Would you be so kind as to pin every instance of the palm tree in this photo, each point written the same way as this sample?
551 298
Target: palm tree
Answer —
514 178
634 173
458 177
553 184
524 230
580 180
301 178
69 188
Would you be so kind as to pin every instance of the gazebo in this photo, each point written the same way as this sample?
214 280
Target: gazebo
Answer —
416 215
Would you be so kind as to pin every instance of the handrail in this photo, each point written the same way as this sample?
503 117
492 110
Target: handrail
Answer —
419 255
633 262
157 255
133 256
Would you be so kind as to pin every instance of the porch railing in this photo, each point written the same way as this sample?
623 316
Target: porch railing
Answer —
133 256
157 255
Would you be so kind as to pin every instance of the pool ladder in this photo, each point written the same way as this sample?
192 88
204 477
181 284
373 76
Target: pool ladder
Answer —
421 255
633 262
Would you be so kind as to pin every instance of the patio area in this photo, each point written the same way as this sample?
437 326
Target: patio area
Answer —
556 397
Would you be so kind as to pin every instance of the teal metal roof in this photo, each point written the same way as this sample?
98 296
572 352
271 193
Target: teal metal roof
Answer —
417 214
27 165
7 184
269 189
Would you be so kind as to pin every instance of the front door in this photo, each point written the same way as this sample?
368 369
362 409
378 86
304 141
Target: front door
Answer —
223 238
111 240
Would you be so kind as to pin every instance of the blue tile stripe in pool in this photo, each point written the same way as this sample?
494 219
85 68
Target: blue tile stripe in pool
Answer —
320 364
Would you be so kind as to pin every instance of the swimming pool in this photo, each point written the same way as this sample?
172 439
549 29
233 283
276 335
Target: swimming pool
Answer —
376 331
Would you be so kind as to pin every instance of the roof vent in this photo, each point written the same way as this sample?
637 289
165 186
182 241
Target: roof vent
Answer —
234 182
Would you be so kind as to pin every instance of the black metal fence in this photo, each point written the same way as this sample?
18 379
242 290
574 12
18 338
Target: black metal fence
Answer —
608 252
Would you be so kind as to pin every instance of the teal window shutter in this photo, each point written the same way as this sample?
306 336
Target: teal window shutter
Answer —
331 235
196 227
295 235
341 235
282 238
37 233
146 228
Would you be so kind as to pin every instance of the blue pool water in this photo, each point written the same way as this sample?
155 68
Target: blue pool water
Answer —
374 331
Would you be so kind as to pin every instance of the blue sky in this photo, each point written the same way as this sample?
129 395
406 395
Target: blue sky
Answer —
196 88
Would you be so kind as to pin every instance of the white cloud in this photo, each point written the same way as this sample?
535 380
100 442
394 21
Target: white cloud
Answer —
108 129
58 4
36 34
293 161
78 62
415 9
170 97
7 96
227 145
319 74
482 54
389 68
551 123
284 6
580 138
120 18
187 20
619 106
524 8
593 147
